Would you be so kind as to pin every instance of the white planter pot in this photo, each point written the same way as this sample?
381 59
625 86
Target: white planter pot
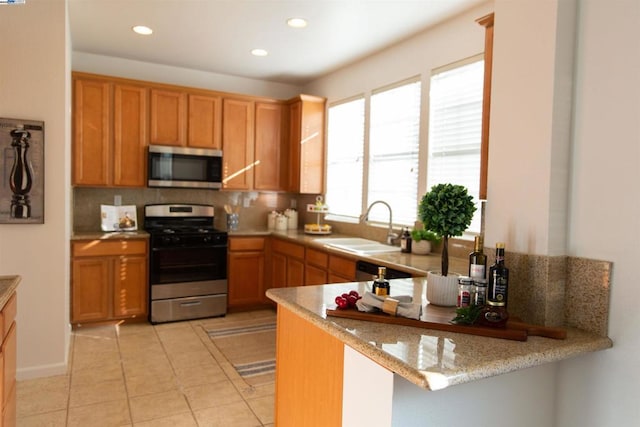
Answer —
442 290
423 247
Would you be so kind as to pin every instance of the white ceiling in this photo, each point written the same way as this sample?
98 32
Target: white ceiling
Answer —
217 35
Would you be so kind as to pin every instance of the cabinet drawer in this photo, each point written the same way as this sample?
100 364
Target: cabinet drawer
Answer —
342 266
108 248
317 258
287 248
246 244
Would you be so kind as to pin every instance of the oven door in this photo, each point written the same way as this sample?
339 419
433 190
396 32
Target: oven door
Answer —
187 264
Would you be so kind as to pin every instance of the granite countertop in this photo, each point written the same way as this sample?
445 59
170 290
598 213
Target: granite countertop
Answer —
428 358
418 265
8 285
104 235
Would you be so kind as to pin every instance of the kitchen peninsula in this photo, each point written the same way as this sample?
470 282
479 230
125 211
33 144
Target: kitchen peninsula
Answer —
390 368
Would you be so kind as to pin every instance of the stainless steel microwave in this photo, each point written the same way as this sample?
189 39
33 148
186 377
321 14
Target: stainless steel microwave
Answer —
184 167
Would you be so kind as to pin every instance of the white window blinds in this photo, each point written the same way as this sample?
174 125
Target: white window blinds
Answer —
455 127
393 152
345 152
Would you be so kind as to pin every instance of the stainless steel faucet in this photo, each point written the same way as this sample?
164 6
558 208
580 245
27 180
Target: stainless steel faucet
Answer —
391 236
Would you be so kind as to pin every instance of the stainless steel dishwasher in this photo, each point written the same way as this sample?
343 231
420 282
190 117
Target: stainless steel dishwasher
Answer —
365 271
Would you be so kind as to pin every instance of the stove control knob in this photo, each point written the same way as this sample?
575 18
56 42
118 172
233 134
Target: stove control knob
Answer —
206 239
166 240
176 240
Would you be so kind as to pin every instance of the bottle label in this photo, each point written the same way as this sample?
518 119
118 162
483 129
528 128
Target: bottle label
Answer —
464 298
477 271
499 290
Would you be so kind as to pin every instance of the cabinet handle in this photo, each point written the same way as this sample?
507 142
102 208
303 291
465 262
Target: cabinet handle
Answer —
189 304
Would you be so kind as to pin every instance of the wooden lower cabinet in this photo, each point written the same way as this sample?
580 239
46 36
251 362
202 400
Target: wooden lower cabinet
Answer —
245 267
341 269
309 374
8 362
109 280
287 263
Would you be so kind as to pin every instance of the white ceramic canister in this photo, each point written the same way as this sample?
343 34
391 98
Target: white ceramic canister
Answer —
271 220
281 223
292 219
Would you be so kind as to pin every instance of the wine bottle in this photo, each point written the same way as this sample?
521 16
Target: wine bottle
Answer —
477 260
498 280
381 285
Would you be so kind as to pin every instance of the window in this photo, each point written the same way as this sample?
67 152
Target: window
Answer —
393 152
455 116
374 151
345 154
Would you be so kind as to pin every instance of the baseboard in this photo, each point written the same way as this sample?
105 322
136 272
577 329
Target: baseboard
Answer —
41 371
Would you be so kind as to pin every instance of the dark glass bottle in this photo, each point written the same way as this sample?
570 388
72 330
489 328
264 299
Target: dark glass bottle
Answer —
381 285
478 260
498 280
405 242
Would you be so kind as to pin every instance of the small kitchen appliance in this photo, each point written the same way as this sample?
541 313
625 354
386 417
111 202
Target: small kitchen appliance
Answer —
187 263
184 167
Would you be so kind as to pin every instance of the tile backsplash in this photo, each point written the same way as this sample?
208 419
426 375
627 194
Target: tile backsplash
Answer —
253 211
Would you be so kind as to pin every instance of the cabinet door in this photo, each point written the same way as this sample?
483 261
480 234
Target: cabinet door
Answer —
168 117
246 278
237 144
268 143
205 122
295 272
9 364
91 132
130 136
130 287
278 270
314 275
312 147
295 117
343 268
90 289
306 145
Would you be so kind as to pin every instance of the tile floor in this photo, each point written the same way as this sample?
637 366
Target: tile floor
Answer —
143 375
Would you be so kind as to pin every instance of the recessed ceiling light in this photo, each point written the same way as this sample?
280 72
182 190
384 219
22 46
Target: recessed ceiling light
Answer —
259 52
142 30
297 22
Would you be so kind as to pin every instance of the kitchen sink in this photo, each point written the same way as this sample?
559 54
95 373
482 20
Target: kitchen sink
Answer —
357 245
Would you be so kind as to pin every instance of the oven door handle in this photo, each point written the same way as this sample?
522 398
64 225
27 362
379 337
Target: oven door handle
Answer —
190 304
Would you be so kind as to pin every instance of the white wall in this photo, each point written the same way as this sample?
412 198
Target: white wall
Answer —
127 68
602 389
33 85
458 38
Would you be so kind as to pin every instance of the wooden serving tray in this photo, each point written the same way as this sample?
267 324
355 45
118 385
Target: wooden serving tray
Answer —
439 318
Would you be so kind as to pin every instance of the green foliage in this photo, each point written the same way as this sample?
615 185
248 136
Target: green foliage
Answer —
446 209
467 315
423 234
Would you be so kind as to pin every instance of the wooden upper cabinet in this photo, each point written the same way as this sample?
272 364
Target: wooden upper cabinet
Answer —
306 145
268 151
92 132
110 133
168 117
237 144
205 122
130 136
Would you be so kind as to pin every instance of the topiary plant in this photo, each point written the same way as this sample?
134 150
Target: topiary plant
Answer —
447 210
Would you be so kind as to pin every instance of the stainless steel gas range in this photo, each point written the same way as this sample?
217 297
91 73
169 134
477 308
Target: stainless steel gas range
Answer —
187 263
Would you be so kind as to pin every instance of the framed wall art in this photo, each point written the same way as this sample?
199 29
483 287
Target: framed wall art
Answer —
21 171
